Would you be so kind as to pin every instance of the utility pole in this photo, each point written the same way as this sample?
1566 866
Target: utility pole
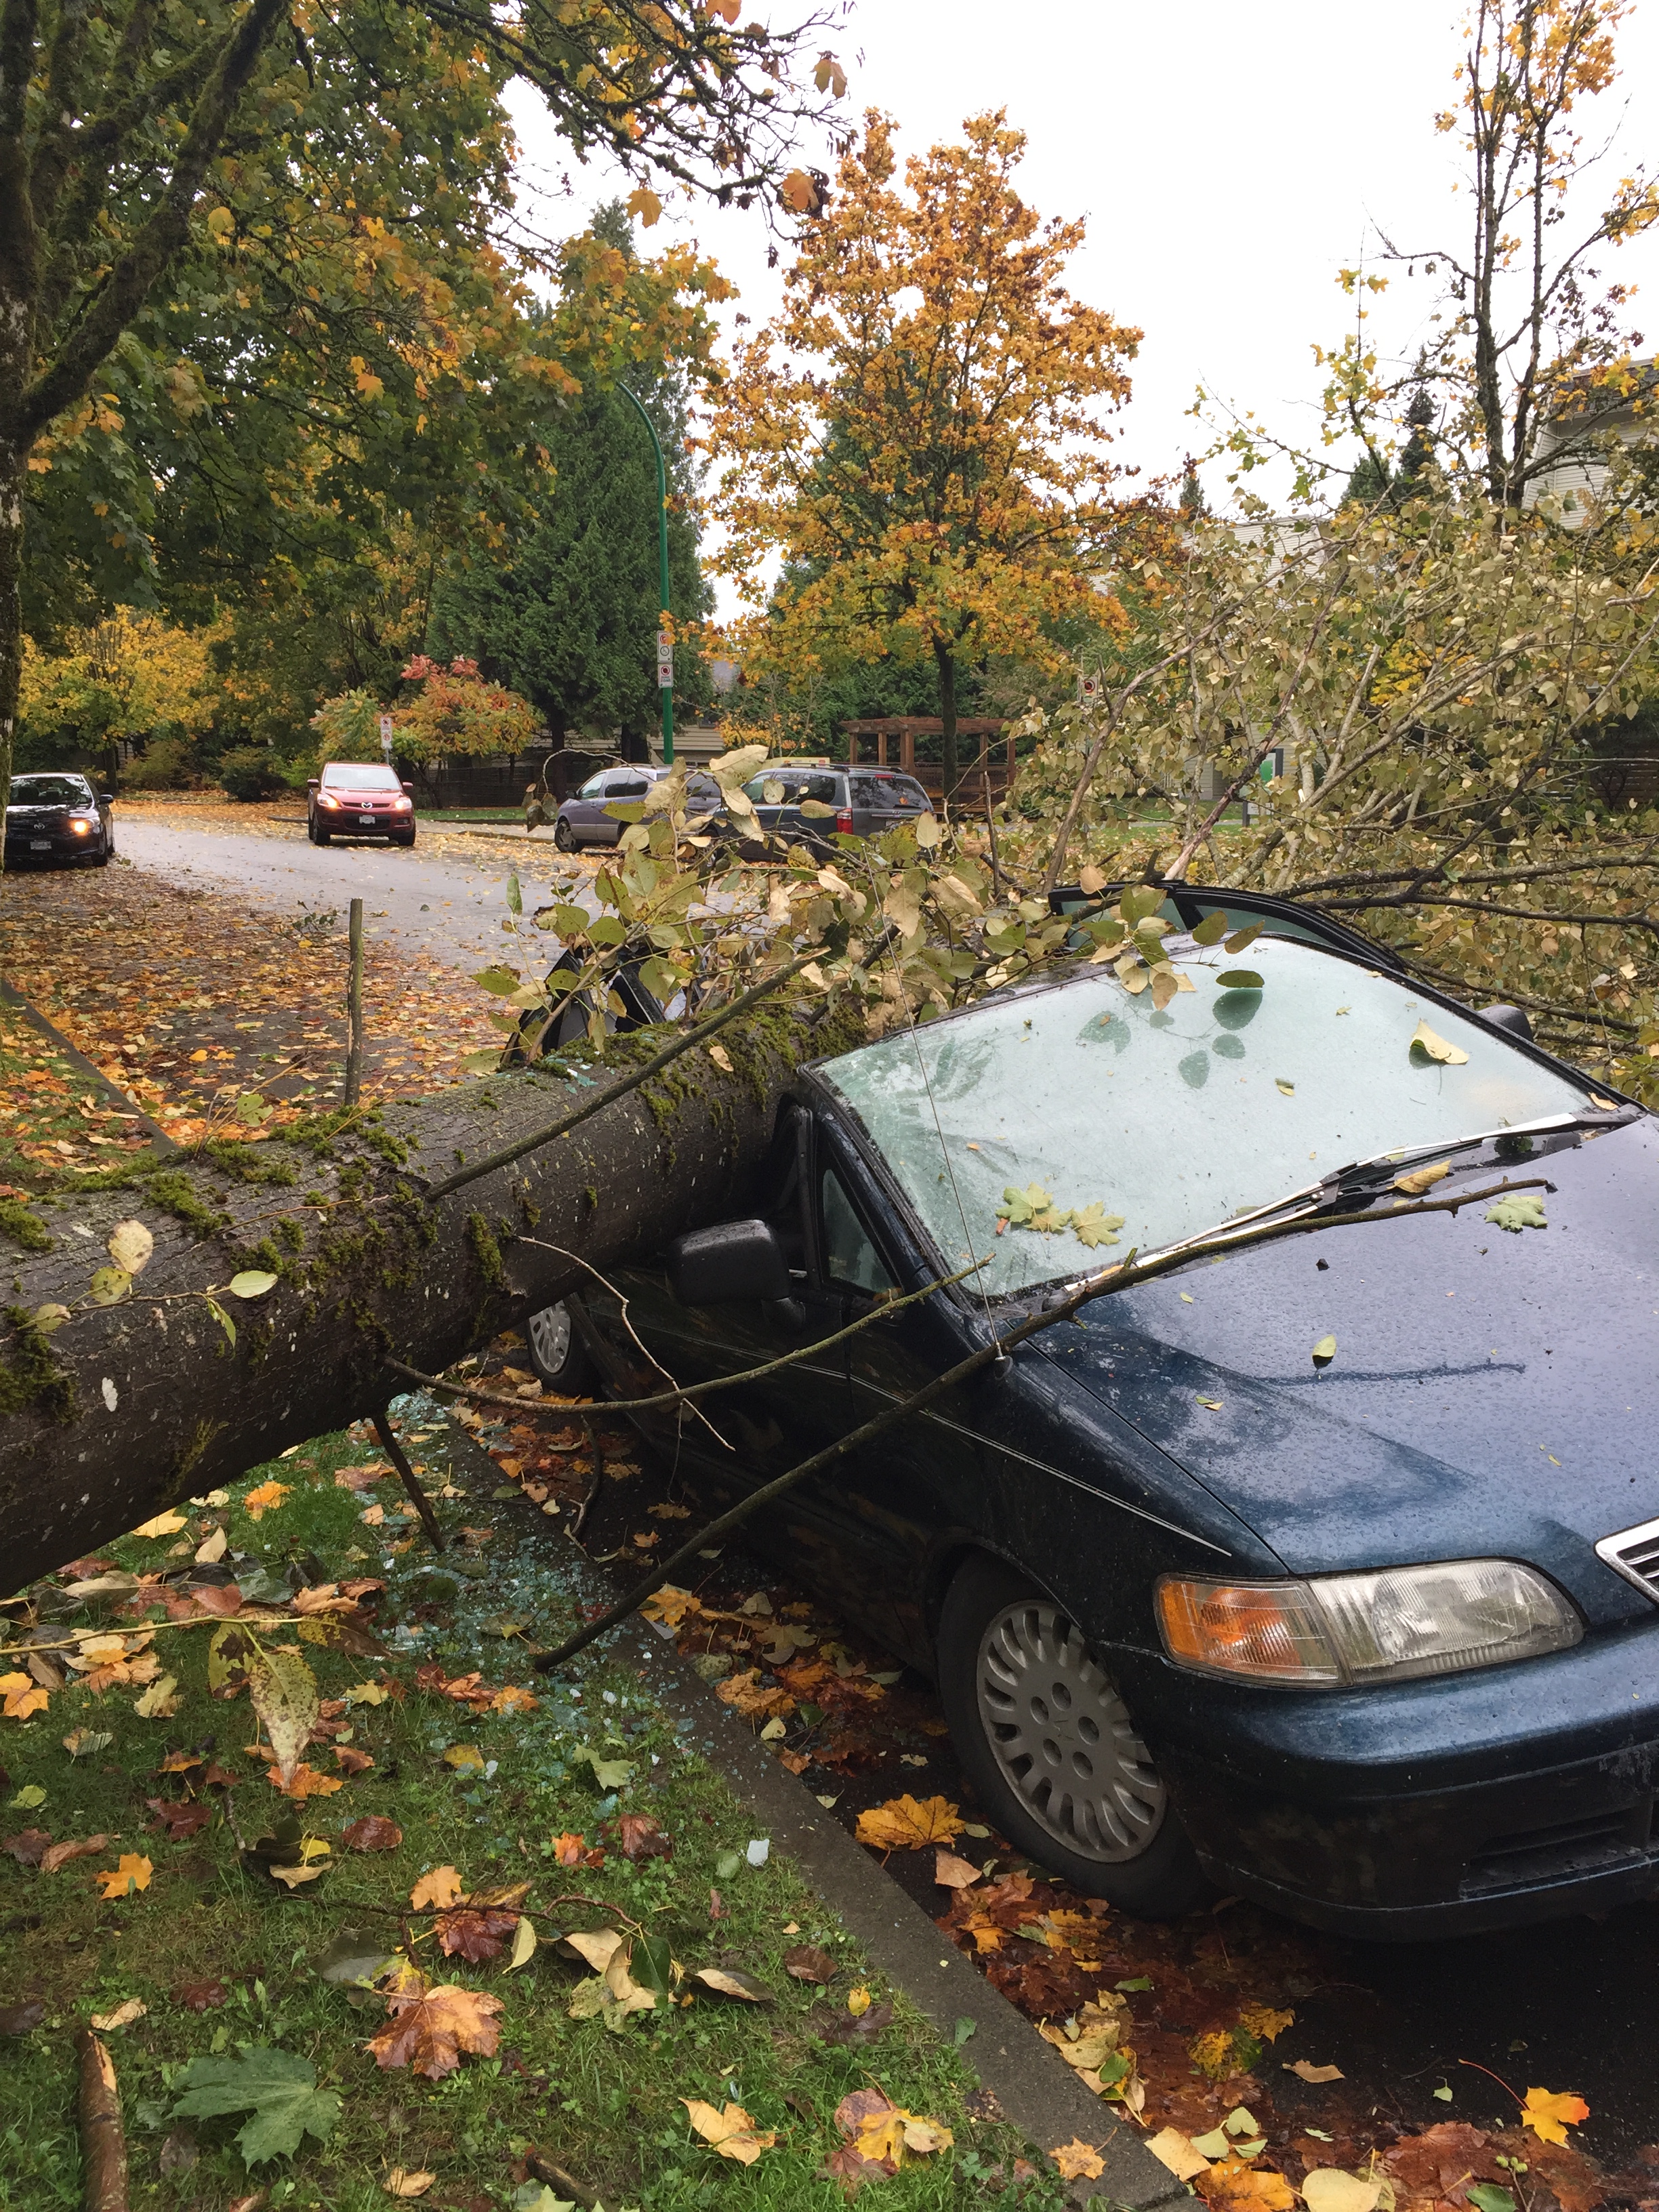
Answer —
665 643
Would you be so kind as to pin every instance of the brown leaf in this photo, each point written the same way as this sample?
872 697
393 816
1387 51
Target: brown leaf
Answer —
372 1834
473 1934
180 1821
1307 2071
200 1996
638 1837
27 1847
350 1762
952 1872
60 1854
1077 2160
806 1962
428 2032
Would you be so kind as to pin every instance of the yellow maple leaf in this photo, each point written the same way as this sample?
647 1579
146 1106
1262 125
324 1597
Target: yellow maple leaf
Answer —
1549 2114
23 1695
132 1872
305 1782
1263 2022
265 1499
644 205
903 1824
1256 2189
440 1888
1077 2160
730 2129
164 1525
797 193
513 1699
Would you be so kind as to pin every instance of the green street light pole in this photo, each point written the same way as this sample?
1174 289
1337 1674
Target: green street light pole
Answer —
664 648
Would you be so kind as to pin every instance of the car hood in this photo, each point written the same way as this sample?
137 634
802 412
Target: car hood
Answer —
1492 1393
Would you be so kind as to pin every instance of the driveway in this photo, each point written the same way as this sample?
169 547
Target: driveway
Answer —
442 900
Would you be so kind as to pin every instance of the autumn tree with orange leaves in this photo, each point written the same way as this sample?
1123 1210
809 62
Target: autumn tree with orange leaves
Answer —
919 432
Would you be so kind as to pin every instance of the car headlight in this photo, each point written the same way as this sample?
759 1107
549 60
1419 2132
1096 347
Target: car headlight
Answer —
1341 1630
323 799
81 827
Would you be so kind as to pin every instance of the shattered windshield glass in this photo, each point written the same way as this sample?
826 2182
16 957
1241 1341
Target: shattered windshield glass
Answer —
1083 1118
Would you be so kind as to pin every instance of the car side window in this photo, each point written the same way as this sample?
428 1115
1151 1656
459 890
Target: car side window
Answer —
866 791
593 789
627 786
901 792
849 1257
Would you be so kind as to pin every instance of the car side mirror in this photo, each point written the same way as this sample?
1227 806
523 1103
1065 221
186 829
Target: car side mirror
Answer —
409 790
313 783
106 798
1512 1018
735 1260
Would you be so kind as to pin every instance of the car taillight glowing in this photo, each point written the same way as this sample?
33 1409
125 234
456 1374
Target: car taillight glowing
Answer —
844 822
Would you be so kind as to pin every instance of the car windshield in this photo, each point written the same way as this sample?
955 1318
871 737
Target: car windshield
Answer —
50 791
1086 1097
352 775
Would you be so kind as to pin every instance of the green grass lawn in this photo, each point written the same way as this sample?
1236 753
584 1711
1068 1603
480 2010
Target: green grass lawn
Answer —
226 1959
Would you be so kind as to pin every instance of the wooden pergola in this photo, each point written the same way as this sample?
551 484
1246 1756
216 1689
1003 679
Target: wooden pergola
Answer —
885 729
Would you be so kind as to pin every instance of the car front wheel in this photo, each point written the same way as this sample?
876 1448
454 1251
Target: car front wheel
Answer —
1052 1748
564 837
556 1352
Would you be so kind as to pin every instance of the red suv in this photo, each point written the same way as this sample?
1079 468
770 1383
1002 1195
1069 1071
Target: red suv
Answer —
359 799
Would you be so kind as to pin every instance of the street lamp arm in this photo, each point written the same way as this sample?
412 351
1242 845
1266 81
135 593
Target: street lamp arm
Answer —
664 663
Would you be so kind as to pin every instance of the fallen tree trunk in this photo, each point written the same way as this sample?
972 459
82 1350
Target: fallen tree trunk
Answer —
122 1409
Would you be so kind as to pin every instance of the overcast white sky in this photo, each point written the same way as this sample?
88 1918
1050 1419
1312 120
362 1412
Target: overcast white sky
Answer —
1228 160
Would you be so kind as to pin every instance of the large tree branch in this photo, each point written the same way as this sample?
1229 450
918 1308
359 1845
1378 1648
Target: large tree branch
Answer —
68 377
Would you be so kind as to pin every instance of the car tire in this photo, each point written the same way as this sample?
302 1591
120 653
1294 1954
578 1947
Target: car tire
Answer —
563 835
557 1351
405 842
1029 1707
319 834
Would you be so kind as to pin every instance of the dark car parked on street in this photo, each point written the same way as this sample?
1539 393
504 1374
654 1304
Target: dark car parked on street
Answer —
1370 1637
58 816
855 802
582 819
359 799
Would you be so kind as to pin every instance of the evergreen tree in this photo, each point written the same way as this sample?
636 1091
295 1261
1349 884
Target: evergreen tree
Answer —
564 606
1370 481
1419 449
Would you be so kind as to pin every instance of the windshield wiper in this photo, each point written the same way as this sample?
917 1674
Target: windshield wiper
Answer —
1382 1169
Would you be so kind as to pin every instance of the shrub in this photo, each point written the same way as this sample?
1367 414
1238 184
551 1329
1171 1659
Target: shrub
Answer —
164 764
247 772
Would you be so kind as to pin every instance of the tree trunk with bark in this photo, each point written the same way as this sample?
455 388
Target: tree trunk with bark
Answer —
122 1409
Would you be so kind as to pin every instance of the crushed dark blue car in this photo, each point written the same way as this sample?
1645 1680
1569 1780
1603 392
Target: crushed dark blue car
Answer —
1326 1570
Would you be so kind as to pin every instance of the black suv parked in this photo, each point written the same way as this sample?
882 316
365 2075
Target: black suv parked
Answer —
866 800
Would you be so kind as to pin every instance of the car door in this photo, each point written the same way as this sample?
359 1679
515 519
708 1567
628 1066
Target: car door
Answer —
890 1504
620 785
734 1440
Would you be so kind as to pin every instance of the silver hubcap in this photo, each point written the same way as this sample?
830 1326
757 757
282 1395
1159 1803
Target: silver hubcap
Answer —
550 1335
1063 1737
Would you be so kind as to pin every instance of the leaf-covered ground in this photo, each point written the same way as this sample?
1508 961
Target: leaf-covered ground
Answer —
1217 2009
215 1019
233 1939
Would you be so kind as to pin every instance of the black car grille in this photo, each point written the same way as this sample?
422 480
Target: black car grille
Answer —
1634 1553
1605 1840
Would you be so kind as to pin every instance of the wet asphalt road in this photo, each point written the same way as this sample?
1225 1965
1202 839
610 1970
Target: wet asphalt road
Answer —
440 900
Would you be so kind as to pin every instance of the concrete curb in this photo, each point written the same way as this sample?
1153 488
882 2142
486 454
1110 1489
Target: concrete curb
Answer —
1035 2089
